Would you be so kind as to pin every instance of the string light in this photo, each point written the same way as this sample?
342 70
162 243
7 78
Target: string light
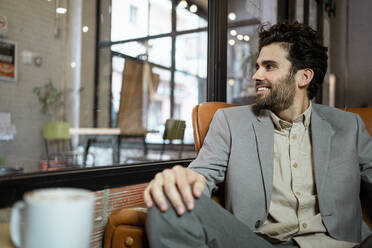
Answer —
193 8
183 4
232 16
231 42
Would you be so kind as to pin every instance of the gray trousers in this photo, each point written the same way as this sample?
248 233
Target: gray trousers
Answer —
208 225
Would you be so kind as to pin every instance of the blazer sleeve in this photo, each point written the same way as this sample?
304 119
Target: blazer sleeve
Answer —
213 156
364 149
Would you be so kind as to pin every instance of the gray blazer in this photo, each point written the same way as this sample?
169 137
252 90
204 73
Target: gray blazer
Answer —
239 150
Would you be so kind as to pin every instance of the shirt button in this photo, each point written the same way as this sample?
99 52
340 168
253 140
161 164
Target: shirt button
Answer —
294 136
295 165
304 225
298 193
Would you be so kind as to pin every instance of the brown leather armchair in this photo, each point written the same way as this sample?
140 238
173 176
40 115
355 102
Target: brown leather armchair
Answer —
125 227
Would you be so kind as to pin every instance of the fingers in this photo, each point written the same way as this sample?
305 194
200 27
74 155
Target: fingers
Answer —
184 186
146 196
180 185
154 192
171 190
199 185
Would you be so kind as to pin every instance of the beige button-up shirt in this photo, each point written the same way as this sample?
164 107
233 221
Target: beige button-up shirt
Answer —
294 212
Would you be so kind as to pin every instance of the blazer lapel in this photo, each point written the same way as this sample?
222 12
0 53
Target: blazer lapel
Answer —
321 132
264 132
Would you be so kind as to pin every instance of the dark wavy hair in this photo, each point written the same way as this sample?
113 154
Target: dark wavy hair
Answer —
304 48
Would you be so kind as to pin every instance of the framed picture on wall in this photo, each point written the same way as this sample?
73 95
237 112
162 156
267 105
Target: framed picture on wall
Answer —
8 60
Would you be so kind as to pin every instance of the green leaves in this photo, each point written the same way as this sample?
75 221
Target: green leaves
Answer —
49 96
51 100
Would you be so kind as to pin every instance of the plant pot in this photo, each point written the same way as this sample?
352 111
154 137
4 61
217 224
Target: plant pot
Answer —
53 165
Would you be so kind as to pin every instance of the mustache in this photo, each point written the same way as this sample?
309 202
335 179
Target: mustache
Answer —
263 83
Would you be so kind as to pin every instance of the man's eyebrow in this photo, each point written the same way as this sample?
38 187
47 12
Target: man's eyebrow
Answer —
268 62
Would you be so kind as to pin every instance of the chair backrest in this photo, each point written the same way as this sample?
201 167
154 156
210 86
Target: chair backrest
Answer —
56 130
203 113
174 129
365 114
202 116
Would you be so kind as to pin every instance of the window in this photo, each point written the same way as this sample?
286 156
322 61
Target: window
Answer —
169 67
244 17
133 14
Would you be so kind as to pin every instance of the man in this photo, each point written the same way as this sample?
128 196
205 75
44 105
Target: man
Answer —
292 169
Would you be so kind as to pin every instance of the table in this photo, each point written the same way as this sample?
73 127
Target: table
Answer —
114 134
5 241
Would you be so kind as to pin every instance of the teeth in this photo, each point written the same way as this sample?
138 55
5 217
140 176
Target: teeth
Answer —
262 88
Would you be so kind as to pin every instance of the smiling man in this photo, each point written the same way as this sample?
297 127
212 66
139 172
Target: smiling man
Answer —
292 170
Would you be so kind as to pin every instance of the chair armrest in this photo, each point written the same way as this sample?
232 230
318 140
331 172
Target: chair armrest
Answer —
366 208
126 228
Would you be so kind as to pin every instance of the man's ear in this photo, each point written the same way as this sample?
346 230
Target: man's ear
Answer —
304 77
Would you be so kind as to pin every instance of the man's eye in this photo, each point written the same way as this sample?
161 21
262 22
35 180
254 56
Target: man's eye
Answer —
269 67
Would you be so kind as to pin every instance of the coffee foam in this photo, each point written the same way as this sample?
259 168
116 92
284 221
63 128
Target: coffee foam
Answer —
58 194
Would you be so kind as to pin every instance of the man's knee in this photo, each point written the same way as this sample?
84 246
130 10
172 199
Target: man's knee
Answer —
155 215
158 221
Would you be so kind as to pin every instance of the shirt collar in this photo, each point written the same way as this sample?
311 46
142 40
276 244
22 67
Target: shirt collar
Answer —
280 124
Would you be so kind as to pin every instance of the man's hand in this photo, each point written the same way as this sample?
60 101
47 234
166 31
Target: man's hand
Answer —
179 184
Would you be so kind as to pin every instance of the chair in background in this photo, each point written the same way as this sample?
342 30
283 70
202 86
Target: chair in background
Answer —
126 226
174 130
58 145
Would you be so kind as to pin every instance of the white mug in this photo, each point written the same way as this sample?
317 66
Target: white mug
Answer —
54 217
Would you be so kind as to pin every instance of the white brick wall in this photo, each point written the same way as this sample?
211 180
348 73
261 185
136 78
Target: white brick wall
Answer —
31 25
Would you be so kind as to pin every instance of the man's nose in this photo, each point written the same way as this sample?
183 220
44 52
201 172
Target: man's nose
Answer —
258 76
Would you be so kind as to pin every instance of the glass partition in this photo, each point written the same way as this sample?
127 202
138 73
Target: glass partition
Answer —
89 75
160 17
158 72
191 53
191 15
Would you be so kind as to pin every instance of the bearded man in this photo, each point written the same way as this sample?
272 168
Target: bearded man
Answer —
292 170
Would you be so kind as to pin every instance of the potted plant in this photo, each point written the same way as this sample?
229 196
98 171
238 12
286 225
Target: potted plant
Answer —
56 128
51 100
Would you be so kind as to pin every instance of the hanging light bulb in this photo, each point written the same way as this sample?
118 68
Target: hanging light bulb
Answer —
231 42
193 8
239 37
233 32
232 16
61 6
246 37
183 4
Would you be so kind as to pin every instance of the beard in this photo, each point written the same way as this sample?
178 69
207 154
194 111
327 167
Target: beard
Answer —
280 96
